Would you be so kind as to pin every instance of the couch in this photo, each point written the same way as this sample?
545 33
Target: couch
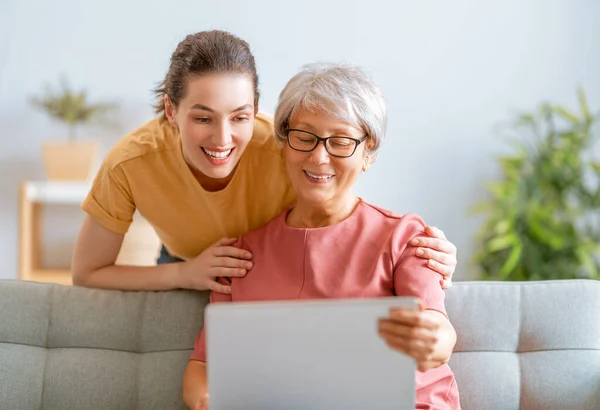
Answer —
533 345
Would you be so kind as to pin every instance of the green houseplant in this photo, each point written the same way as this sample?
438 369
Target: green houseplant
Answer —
70 158
543 216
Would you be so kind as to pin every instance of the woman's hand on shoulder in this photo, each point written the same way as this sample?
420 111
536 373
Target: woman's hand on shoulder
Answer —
440 252
221 259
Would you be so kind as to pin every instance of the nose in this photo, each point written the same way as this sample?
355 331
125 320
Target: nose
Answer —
319 155
222 135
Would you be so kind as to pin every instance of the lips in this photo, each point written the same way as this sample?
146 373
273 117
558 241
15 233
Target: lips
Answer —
318 177
217 156
216 153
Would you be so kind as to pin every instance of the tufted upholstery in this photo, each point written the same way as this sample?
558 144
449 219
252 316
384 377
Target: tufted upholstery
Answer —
521 345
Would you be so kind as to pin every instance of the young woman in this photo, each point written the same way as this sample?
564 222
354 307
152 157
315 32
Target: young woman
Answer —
206 170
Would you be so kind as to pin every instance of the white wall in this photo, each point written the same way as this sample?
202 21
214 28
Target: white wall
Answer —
450 71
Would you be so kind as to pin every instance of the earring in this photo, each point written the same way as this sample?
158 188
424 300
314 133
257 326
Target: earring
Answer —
365 164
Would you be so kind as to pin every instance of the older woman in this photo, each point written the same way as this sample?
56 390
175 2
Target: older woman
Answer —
331 120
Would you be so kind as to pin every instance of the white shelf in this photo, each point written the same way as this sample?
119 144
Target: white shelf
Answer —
57 192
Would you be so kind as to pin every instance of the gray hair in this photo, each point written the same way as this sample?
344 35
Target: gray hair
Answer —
340 90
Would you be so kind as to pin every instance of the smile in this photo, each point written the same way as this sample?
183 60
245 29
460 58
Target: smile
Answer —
217 154
323 177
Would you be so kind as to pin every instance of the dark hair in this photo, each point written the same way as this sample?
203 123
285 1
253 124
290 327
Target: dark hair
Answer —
205 52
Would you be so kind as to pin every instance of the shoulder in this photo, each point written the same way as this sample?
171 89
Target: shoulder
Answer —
257 238
155 136
263 153
401 227
263 136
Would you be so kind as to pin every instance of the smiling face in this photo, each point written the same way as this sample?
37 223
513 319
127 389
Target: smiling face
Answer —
216 121
319 178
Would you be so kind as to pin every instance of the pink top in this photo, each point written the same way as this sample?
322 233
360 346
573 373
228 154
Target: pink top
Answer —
365 255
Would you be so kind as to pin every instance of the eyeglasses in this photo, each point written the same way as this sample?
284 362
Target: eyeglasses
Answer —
304 141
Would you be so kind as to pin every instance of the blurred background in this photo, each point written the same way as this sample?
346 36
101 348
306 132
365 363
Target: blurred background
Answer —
455 74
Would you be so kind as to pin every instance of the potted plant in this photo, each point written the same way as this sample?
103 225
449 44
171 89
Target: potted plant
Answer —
543 217
71 159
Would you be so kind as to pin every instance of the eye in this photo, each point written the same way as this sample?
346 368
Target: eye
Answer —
340 142
202 120
241 118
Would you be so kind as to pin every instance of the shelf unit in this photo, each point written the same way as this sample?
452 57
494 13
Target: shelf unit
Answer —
32 197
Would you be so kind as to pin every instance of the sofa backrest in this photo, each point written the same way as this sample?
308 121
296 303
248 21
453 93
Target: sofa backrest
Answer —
529 345
65 347
521 345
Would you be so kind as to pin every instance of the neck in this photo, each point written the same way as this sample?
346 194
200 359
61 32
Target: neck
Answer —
308 215
211 184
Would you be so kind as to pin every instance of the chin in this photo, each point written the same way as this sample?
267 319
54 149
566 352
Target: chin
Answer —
317 199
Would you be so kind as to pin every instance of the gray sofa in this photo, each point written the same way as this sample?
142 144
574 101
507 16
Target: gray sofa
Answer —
529 345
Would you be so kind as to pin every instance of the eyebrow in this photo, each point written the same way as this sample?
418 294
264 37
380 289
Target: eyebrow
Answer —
334 131
205 108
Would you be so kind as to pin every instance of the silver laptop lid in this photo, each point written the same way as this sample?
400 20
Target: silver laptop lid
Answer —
306 355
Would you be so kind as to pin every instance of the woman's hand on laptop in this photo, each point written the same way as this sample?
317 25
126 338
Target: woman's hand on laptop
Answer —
440 252
422 334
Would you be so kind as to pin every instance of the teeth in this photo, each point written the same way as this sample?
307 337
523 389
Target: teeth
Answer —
219 155
318 176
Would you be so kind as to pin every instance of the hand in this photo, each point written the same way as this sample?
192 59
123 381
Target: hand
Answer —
220 259
202 403
440 252
415 333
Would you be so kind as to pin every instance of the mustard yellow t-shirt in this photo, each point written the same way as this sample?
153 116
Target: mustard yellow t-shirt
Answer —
146 171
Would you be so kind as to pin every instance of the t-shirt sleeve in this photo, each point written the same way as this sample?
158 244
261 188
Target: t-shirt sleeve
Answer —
110 202
412 276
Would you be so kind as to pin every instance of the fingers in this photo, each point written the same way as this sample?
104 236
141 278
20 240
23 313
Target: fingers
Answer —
232 251
437 244
435 232
225 241
446 284
414 318
226 262
218 287
420 350
227 272
394 329
439 257
444 270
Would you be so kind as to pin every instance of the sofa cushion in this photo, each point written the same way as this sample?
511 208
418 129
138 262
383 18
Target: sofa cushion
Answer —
74 348
527 345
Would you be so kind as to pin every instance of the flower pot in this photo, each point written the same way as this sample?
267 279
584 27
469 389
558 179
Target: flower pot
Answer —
70 161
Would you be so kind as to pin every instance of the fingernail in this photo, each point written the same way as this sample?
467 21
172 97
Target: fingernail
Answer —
431 263
415 241
249 265
243 271
441 283
420 252
248 255
228 290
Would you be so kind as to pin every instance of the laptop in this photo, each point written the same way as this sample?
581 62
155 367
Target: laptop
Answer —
306 355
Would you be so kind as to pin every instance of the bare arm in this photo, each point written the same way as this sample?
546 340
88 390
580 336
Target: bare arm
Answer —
94 258
195 385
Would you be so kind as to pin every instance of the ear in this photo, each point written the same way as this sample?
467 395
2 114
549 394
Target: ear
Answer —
169 109
368 161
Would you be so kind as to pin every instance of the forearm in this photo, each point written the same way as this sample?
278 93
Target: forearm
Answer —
195 384
161 277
